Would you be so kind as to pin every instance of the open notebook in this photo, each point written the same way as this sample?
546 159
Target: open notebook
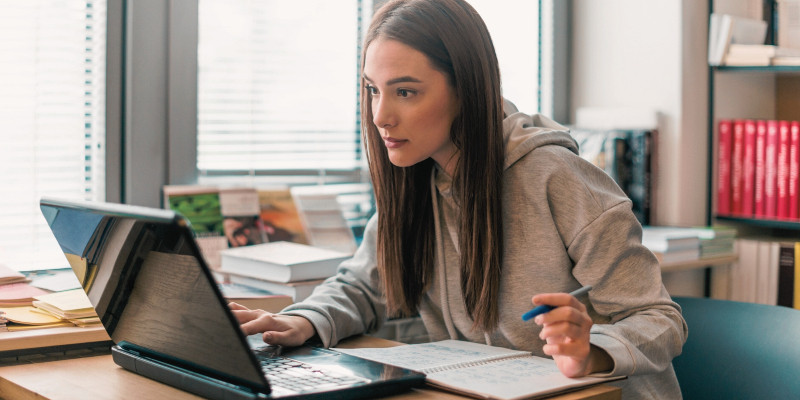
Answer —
143 273
480 370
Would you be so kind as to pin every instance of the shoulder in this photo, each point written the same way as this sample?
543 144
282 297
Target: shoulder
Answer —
556 173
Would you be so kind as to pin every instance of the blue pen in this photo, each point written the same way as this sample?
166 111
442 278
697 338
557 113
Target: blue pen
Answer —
545 308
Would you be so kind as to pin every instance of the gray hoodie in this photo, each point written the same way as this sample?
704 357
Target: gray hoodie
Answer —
566 224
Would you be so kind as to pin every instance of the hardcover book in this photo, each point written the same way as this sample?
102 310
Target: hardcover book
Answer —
760 173
282 261
771 170
296 291
782 172
737 167
724 144
794 170
749 168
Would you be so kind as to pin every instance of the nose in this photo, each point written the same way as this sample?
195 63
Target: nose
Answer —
382 114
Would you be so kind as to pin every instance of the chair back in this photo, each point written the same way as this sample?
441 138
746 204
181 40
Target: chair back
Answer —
739 350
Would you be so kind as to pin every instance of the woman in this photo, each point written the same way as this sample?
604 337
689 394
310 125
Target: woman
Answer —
482 213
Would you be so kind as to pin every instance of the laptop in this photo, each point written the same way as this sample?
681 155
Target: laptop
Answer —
155 295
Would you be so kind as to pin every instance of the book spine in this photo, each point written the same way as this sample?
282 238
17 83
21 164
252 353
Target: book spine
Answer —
786 276
749 168
771 170
617 157
639 186
794 170
725 128
758 192
797 275
782 185
252 267
737 170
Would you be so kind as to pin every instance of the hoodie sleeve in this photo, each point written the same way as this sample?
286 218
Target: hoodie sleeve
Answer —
639 325
350 302
645 329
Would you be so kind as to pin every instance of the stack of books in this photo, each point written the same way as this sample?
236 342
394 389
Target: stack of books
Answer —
679 244
716 241
286 268
671 245
761 55
725 30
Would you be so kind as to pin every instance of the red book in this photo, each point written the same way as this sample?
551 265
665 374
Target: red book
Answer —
724 142
782 185
794 170
761 144
737 164
749 168
771 170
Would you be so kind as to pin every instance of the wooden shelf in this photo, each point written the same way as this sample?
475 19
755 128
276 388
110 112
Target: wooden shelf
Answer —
754 68
699 263
763 223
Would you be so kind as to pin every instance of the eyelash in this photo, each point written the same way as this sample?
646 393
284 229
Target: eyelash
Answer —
373 91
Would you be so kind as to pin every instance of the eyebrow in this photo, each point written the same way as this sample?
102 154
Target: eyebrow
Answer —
402 79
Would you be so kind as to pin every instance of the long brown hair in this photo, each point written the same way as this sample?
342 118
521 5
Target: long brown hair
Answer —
454 38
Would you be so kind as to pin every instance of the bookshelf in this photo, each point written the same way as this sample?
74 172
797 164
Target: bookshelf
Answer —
749 92
754 93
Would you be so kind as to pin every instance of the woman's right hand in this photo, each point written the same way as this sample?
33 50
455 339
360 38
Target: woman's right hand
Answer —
276 329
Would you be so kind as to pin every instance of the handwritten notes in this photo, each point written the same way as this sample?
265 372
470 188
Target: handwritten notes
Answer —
478 369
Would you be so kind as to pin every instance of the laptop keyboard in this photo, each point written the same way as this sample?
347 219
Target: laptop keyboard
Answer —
288 376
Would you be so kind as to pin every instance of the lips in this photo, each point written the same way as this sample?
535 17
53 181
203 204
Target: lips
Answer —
392 143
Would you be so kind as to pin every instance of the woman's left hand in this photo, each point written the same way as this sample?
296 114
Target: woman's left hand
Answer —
565 329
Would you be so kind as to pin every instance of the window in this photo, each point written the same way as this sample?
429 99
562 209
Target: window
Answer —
52 83
514 26
278 89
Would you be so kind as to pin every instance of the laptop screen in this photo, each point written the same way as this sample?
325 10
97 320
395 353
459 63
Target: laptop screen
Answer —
144 274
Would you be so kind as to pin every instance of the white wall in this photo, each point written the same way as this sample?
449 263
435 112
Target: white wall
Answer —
632 53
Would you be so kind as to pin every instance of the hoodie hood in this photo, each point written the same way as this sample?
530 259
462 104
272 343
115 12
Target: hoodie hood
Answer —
523 133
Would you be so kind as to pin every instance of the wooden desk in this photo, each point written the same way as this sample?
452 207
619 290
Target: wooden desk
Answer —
99 378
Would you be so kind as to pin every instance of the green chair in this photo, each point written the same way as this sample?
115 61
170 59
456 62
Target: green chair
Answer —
739 351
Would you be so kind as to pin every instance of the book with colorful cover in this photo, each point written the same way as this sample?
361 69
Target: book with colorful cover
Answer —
782 171
280 216
771 170
760 172
724 153
737 167
201 206
794 170
749 168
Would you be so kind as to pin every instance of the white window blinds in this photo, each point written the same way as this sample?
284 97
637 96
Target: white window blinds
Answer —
52 67
277 87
